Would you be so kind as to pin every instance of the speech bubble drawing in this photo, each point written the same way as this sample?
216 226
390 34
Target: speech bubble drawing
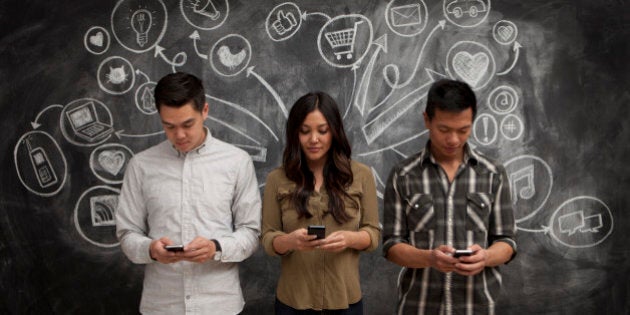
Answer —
589 215
593 224
571 222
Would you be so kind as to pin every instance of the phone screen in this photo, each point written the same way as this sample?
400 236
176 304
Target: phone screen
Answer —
174 248
462 252
318 230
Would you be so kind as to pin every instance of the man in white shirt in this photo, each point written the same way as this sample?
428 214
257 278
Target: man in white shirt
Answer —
191 190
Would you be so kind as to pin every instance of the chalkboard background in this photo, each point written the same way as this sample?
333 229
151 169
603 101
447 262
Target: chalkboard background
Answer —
551 79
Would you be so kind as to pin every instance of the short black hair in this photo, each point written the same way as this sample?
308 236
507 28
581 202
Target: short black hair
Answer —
179 88
452 96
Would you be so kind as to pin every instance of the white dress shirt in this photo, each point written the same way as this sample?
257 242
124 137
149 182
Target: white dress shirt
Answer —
210 192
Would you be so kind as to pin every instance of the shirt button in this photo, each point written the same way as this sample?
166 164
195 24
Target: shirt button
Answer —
187 297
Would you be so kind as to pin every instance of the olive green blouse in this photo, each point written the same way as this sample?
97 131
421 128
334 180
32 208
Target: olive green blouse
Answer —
318 279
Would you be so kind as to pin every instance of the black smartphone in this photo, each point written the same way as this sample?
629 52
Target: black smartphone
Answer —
462 252
318 230
174 248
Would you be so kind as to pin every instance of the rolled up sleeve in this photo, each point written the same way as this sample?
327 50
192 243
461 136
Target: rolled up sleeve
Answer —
369 220
394 220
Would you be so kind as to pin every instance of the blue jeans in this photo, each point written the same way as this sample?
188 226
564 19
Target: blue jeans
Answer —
353 309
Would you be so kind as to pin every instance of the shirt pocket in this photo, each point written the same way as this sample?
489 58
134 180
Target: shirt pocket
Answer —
288 211
352 205
478 210
420 212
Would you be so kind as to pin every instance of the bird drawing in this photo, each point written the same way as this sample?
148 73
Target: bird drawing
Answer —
230 60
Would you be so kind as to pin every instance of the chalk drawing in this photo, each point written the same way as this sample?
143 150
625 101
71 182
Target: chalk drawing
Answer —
205 14
97 40
139 26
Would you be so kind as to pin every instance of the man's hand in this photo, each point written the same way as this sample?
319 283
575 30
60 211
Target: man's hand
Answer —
441 259
199 250
473 264
157 251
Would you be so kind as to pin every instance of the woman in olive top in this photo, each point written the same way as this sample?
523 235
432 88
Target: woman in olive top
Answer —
318 184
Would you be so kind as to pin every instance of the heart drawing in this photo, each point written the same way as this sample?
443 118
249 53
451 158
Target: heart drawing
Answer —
505 32
97 39
471 68
230 60
112 161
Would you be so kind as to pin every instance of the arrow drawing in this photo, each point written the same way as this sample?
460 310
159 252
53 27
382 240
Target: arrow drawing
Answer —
174 63
146 77
393 146
545 229
364 86
227 125
121 134
35 123
304 14
283 108
378 125
195 37
395 85
354 85
516 48
245 111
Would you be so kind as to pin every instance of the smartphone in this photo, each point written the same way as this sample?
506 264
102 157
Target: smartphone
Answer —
318 230
462 252
174 248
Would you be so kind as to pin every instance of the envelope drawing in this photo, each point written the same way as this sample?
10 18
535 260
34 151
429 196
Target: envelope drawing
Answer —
406 15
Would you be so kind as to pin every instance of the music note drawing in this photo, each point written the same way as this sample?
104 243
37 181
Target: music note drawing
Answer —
523 183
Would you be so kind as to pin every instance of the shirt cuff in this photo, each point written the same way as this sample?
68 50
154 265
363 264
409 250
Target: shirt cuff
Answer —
512 244
267 243
374 234
391 241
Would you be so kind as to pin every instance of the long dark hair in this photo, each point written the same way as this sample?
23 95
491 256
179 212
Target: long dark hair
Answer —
337 169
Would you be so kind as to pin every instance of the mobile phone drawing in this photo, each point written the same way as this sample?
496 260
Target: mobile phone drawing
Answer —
41 165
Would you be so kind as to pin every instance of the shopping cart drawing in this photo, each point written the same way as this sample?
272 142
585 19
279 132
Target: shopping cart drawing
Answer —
343 40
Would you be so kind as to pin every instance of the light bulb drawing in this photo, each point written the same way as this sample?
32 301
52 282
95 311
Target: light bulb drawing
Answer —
141 21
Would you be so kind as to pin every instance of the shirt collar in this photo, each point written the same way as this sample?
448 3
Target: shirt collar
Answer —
470 157
199 149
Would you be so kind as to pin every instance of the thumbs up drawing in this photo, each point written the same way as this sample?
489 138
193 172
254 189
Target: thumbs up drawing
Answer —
284 22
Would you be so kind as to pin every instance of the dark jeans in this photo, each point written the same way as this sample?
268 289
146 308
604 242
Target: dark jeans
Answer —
353 309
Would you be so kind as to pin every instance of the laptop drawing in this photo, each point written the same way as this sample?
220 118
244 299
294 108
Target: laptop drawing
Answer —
85 123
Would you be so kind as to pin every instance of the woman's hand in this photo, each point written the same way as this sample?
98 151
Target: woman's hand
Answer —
296 240
340 240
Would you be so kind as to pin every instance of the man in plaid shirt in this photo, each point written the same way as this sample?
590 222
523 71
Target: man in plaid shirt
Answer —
448 197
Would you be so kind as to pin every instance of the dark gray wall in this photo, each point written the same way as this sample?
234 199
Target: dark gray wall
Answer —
551 78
